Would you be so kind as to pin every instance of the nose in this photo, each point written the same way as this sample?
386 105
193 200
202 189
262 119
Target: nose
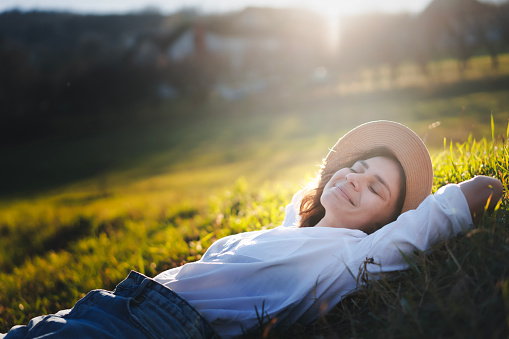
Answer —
354 179
359 180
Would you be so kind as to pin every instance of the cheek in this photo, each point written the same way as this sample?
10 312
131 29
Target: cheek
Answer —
326 200
330 203
383 211
374 205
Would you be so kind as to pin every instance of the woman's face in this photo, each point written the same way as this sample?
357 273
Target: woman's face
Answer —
362 197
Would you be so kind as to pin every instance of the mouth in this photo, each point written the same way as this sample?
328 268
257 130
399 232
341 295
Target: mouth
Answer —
344 195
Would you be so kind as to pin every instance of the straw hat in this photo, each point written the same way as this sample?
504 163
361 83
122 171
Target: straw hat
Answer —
400 140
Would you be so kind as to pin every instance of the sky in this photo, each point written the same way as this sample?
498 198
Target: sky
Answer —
327 7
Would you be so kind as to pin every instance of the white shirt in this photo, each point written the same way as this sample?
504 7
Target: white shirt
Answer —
295 273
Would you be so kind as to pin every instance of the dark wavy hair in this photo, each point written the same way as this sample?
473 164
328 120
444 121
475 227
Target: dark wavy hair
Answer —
312 210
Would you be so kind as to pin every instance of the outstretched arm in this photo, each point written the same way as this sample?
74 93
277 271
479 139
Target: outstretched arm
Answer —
454 208
477 191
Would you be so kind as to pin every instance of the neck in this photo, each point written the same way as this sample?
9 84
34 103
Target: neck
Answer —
324 222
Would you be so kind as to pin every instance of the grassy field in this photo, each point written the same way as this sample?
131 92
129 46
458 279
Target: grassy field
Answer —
78 214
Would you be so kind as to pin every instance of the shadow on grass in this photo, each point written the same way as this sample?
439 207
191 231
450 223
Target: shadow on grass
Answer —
23 243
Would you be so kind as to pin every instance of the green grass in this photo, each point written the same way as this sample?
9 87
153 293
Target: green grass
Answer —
152 198
460 290
54 272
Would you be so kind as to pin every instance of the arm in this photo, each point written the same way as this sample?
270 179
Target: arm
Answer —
477 191
440 216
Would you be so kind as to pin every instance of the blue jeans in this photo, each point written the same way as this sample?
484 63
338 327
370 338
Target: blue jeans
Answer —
139 307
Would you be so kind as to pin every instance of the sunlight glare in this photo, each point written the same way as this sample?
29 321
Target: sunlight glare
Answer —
333 10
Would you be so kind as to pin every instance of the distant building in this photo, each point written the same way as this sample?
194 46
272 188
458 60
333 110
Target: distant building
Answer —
251 49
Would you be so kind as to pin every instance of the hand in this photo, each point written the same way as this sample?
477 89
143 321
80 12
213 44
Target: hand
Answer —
477 191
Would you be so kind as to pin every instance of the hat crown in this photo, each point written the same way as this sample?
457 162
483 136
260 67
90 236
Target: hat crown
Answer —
400 140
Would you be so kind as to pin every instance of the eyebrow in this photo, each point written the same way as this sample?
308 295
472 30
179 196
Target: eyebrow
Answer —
379 178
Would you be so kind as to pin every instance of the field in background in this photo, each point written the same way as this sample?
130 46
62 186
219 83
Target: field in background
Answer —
234 139
78 214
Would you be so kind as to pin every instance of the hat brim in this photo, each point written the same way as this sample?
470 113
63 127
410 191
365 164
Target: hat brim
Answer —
401 141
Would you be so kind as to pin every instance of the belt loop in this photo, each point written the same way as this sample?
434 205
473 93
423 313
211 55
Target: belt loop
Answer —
135 295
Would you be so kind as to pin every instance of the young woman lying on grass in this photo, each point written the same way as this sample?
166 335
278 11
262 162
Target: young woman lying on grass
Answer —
369 206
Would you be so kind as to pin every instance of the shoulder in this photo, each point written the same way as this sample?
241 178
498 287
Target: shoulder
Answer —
292 217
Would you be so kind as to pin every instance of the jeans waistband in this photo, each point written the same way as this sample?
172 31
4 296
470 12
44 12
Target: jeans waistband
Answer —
139 286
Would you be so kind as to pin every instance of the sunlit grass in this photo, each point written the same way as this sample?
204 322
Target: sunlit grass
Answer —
48 275
152 233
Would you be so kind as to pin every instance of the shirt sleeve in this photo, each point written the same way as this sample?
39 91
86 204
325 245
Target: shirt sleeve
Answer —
439 217
292 217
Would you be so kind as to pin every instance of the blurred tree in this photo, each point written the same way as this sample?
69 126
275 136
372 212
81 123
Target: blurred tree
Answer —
376 39
55 67
445 28
459 28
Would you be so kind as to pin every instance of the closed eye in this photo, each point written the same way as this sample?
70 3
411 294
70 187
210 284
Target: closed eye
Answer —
373 190
351 169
